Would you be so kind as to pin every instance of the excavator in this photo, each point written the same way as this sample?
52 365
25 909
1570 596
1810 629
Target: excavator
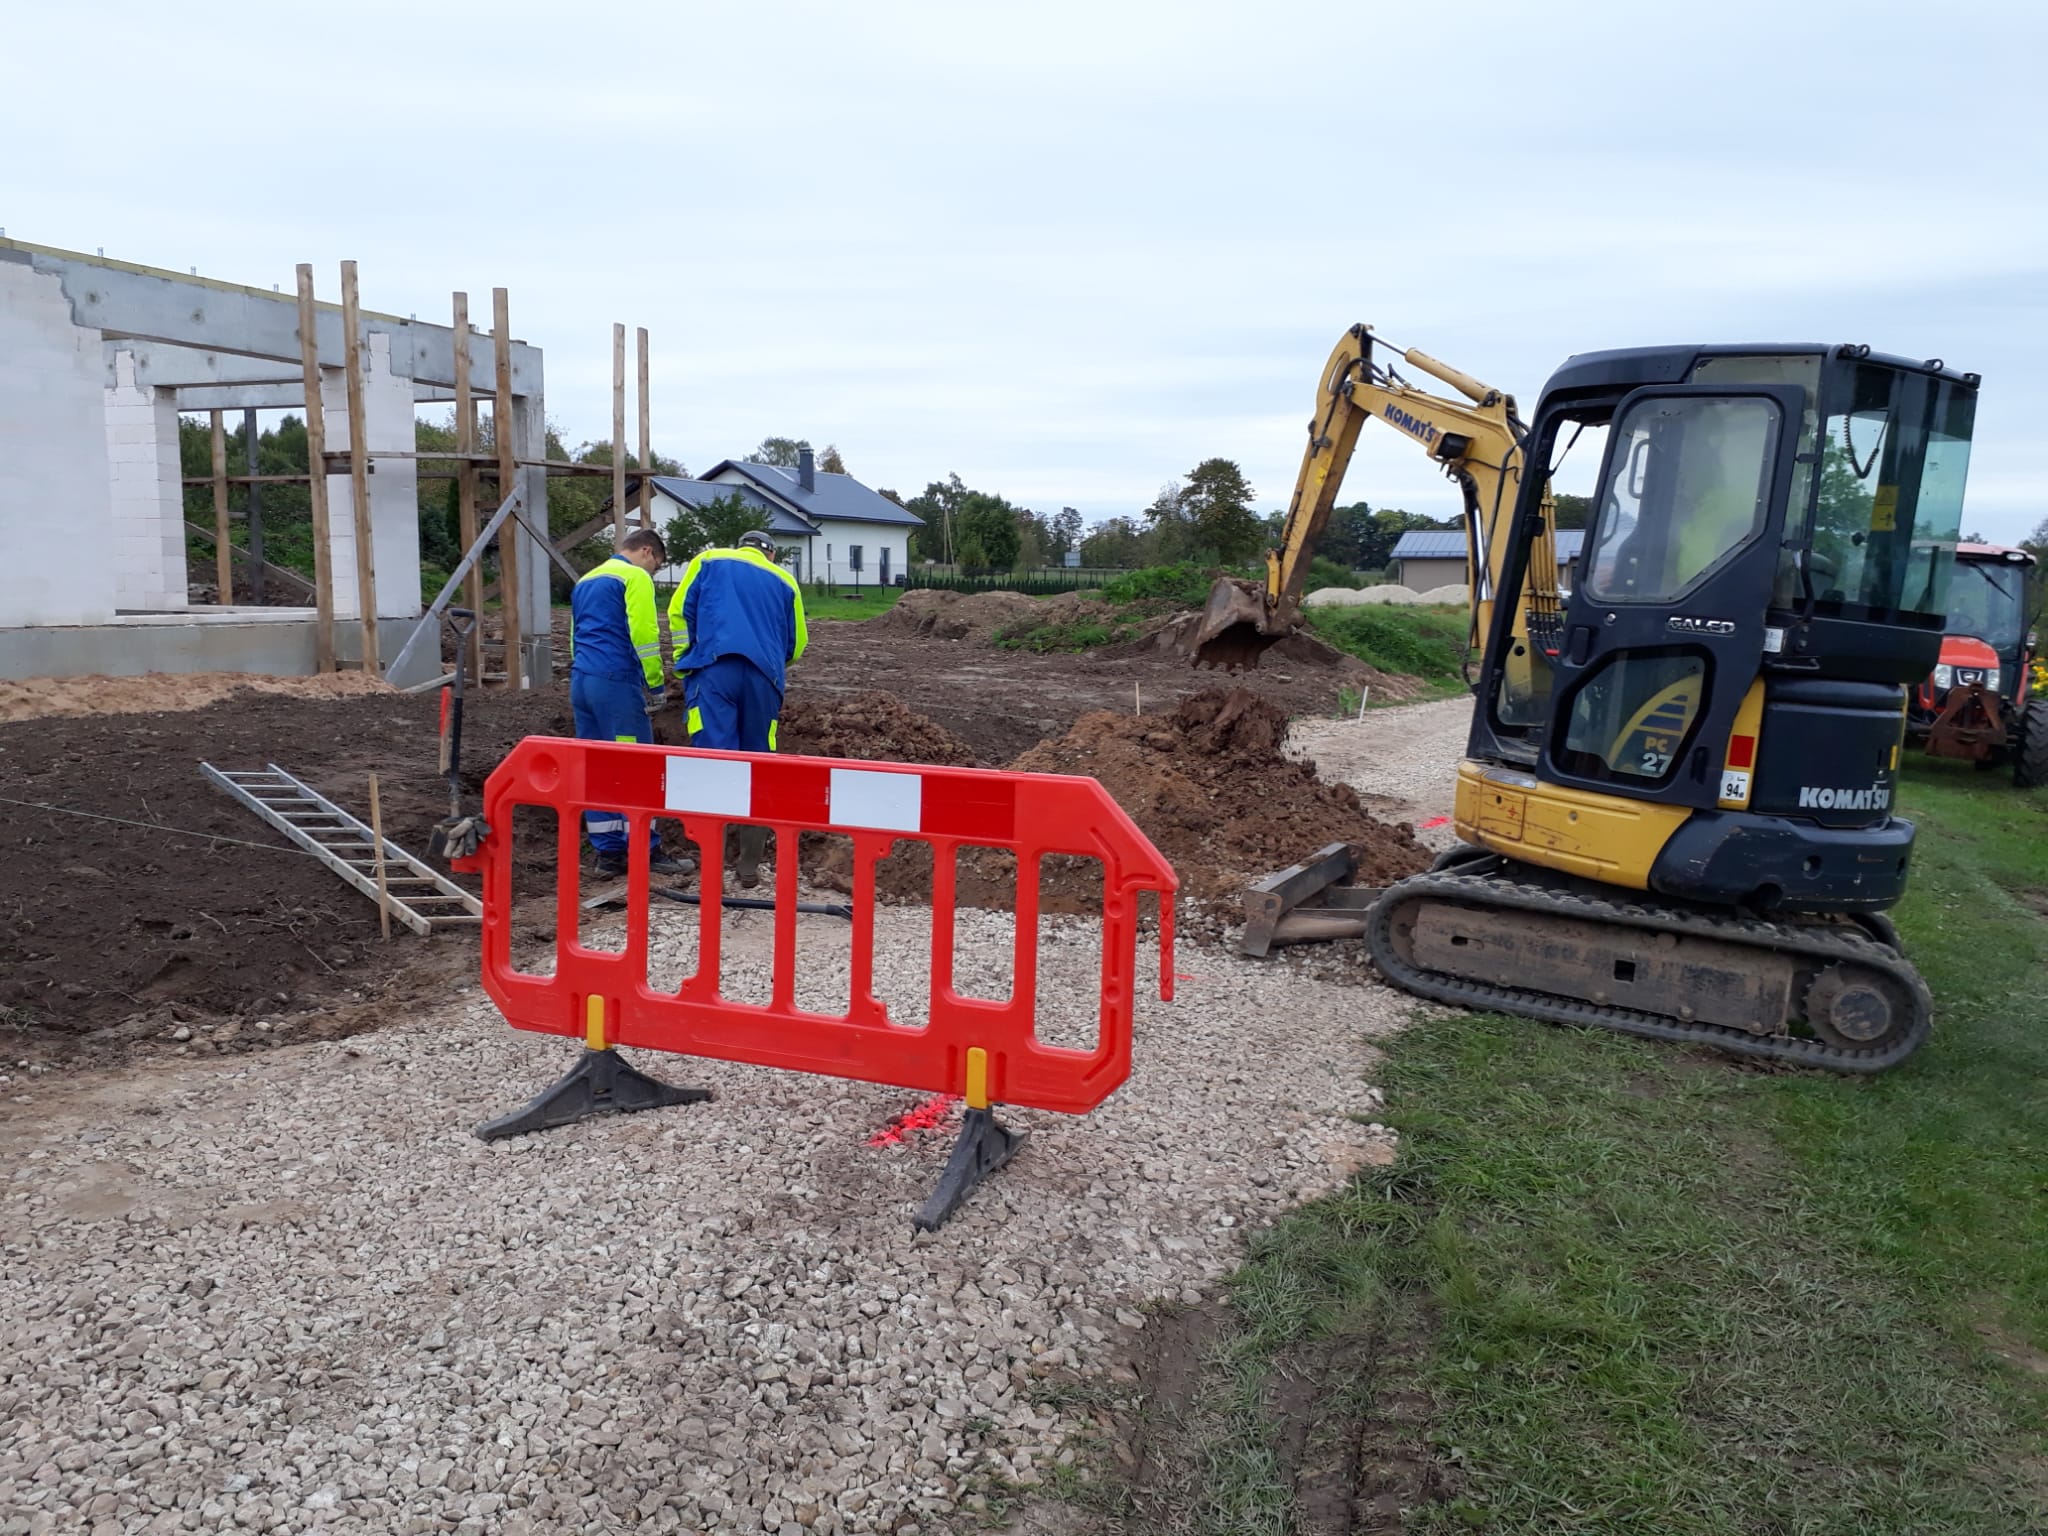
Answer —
1676 803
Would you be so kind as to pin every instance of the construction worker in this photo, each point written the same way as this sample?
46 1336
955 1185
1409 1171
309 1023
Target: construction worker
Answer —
737 620
615 676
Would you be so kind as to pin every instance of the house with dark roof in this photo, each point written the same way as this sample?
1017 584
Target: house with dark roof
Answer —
828 528
1426 558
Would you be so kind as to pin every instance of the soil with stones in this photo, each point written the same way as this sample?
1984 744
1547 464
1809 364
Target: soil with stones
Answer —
176 937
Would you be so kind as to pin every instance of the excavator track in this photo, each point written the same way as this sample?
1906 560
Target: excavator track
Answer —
1874 1009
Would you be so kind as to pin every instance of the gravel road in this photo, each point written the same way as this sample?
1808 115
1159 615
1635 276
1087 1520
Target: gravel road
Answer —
292 1292
1403 762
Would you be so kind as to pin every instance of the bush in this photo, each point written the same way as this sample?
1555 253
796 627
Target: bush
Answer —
1328 573
1185 583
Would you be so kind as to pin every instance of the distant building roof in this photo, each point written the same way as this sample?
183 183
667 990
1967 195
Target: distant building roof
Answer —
1449 544
699 493
835 499
1431 544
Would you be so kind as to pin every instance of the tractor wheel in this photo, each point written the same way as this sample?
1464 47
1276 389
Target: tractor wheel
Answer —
2030 756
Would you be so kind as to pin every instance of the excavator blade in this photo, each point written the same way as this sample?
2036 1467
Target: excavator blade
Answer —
1234 630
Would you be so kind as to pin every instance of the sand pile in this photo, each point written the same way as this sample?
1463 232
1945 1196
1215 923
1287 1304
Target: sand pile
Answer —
40 697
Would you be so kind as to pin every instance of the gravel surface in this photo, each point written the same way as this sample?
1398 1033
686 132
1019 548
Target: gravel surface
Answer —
292 1292
1403 762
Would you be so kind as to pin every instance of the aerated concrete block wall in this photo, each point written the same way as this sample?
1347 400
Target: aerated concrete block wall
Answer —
146 493
394 488
56 517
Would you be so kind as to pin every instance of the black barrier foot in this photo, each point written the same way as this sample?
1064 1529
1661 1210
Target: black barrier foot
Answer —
985 1144
599 1084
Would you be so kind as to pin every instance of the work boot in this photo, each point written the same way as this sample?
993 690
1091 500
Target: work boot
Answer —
750 846
661 864
611 866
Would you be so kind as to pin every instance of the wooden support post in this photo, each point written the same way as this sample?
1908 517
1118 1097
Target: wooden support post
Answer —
508 470
223 554
383 885
646 442
316 449
465 483
359 465
618 435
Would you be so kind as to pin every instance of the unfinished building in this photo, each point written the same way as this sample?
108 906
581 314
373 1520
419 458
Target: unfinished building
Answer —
99 358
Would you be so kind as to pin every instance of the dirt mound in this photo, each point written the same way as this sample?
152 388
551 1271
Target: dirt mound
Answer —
38 698
971 616
873 727
1208 785
1297 654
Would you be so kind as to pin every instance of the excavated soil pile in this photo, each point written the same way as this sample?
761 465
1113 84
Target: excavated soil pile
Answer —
971 616
1207 784
1299 653
873 727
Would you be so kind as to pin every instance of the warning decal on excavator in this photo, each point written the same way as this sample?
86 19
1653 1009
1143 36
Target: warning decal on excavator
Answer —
1884 509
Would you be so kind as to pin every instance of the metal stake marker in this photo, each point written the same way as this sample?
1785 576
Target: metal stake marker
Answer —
377 839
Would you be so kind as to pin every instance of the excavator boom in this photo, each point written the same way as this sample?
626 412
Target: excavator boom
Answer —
1475 440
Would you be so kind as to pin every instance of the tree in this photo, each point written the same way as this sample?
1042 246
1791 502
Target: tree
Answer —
1114 544
830 463
1032 540
1346 535
1572 511
1167 535
715 525
937 506
1065 533
989 524
1218 506
780 451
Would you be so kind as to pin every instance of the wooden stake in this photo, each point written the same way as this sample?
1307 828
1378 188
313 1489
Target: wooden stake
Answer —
359 465
223 564
377 837
646 443
508 469
618 435
1137 700
465 481
316 449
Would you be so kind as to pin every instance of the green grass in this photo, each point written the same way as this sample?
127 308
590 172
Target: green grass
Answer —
1426 643
1658 1293
847 604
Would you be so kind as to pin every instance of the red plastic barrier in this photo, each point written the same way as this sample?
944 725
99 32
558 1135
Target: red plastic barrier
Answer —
984 1050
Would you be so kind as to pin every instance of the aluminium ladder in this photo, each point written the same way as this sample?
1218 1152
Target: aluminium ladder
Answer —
419 896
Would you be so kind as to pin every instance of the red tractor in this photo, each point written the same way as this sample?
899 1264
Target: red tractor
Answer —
1977 703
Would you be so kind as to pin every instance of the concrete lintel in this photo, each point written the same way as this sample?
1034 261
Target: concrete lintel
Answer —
148 304
241 397
162 366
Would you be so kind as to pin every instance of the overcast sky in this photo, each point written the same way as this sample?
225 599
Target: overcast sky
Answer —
1070 249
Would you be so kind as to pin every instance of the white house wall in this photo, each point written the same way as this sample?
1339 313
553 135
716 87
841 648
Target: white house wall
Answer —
56 516
831 551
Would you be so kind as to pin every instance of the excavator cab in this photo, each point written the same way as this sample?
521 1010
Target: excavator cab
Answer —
1765 573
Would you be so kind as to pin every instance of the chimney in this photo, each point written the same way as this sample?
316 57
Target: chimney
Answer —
807 469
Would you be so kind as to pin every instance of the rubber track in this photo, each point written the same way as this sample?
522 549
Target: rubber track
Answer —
1825 943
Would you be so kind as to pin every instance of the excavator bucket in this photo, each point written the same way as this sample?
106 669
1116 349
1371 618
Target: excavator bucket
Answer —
1234 630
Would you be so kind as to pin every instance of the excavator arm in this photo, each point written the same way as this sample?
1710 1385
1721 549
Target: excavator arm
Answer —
1477 443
